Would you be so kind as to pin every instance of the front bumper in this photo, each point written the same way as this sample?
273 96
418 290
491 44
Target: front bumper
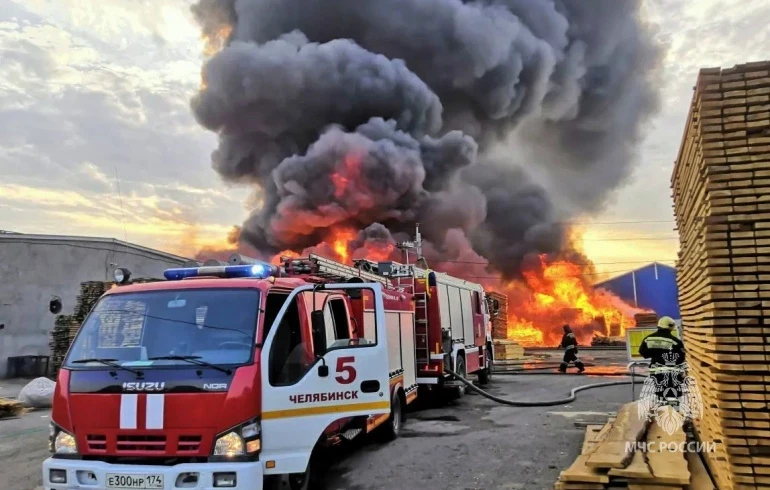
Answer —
80 474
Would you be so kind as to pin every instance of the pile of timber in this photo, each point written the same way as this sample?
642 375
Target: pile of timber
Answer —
721 190
507 350
605 341
646 319
10 408
499 321
609 459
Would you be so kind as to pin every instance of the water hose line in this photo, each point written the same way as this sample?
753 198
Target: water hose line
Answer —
548 403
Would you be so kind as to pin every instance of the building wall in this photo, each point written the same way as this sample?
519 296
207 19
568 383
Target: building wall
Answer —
656 291
33 271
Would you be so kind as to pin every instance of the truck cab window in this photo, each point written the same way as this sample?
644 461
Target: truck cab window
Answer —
289 357
340 314
273 304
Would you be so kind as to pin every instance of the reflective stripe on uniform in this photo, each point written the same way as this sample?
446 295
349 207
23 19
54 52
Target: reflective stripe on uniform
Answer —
659 343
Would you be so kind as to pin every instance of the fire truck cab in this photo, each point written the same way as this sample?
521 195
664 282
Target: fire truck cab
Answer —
230 377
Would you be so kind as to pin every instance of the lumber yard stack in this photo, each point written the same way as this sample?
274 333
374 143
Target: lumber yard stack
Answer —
721 191
499 321
631 453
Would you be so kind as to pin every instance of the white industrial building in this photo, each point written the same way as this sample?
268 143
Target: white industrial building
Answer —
34 269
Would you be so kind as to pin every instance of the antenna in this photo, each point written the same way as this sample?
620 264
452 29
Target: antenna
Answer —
412 244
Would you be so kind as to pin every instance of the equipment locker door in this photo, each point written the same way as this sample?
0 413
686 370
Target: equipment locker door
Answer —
299 400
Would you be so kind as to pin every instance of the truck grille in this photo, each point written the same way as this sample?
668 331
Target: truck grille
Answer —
131 444
145 444
97 443
188 444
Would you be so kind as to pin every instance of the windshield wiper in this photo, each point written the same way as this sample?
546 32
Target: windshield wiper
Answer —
109 362
191 360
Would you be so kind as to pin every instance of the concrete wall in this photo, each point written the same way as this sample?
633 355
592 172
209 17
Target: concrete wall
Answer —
33 270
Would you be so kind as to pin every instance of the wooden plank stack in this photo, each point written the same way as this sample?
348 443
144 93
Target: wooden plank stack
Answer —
721 191
10 408
608 460
646 319
507 350
500 321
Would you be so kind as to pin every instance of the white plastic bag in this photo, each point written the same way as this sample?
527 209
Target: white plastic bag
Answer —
38 393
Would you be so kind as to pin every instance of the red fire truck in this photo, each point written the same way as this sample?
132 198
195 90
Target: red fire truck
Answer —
232 376
453 327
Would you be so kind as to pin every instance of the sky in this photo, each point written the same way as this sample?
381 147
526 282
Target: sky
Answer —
98 138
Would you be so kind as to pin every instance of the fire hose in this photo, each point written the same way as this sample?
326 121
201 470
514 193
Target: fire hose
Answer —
548 403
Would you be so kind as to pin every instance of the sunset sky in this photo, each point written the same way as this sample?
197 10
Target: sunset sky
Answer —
98 138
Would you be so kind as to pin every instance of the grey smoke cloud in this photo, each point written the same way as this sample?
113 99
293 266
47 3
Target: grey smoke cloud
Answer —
419 91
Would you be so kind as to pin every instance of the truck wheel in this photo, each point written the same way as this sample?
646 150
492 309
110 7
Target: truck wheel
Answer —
392 428
486 374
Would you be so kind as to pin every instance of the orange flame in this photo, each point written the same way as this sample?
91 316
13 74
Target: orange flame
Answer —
347 172
556 294
214 42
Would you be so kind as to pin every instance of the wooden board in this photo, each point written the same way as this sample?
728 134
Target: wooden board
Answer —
668 467
613 451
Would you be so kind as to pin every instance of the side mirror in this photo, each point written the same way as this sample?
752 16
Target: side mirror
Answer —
495 307
318 326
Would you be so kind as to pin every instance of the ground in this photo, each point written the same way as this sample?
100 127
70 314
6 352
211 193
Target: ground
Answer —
473 443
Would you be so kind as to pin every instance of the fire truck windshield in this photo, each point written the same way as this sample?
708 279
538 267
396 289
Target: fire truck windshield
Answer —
213 326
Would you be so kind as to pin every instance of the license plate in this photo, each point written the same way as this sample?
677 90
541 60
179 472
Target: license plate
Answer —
141 482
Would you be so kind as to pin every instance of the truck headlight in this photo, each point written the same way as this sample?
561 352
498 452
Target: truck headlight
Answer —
62 442
240 440
230 444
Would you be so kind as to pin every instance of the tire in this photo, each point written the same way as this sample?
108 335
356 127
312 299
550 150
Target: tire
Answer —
485 375
392 429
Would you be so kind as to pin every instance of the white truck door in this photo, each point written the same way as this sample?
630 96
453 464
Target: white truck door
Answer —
301 398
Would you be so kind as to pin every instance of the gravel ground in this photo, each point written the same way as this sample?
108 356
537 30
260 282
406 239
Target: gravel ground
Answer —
472 443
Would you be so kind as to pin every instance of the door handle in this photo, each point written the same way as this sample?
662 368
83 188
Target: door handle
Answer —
370 386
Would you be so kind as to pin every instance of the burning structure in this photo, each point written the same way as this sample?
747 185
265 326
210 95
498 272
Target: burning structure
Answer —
491 123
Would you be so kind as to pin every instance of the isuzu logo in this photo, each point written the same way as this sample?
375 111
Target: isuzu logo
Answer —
144 386
214 386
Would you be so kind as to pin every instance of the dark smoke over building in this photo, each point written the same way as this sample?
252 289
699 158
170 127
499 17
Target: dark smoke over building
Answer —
351 113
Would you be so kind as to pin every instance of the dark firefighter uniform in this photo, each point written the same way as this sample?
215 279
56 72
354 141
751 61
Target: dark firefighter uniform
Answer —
570 346
667 357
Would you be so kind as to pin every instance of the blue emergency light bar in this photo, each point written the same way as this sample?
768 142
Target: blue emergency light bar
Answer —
257 271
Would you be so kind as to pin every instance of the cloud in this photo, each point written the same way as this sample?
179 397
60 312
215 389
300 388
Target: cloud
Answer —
84 109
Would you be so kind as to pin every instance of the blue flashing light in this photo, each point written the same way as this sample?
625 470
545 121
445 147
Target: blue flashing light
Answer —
257 271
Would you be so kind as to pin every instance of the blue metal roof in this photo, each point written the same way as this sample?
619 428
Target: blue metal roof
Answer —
652 286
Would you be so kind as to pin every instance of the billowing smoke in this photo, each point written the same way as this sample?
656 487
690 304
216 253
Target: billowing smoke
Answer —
490 123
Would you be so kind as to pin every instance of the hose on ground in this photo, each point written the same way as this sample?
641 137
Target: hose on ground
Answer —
526 372
548 403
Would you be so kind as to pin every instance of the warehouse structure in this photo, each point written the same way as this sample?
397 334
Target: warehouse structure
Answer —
36 269
650 287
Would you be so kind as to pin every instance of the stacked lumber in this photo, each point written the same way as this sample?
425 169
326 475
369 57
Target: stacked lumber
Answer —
499 321
721 190
10 408
646 319
507 350
60 340
608 458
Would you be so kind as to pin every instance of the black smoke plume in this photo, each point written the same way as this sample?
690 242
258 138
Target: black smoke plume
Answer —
350 113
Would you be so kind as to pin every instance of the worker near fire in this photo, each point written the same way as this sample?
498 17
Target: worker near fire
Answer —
570 345
667 359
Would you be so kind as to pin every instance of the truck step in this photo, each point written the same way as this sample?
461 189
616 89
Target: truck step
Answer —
350 434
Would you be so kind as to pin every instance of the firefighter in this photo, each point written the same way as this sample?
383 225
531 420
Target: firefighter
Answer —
667 357
570 346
